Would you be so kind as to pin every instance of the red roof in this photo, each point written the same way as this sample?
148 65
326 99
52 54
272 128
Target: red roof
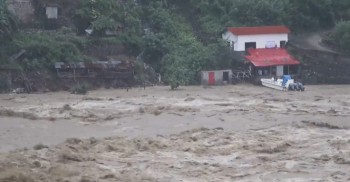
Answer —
259 30
270 57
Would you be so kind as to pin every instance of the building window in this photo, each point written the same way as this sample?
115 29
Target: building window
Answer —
225 76
283 44
249 45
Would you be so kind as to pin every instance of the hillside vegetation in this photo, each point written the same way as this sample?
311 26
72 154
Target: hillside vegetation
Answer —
178 38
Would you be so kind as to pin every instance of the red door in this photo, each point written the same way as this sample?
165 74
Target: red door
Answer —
211 80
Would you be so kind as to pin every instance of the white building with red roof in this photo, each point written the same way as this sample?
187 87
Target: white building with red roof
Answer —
265 49
243 38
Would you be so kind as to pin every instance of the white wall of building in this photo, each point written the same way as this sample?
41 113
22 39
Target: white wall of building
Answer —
261 40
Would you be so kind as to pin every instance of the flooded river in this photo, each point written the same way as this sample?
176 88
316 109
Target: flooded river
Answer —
230 133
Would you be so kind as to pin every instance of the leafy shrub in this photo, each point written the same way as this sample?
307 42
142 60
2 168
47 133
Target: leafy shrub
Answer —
43 49
4 83
80 89
8 21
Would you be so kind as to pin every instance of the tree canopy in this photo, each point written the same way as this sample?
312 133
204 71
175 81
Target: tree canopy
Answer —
340 36
8 22
178 38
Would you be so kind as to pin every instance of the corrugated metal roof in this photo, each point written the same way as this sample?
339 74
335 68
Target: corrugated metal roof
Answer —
259 30
270 57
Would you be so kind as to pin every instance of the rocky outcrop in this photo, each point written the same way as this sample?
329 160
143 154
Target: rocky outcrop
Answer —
23 9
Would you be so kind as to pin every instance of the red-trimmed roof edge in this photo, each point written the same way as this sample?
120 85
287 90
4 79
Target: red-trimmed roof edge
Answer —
278 29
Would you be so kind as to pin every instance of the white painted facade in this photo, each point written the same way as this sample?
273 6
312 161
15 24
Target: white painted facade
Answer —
238 42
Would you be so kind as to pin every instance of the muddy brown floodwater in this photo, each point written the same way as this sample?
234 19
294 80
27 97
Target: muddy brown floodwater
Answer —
230 133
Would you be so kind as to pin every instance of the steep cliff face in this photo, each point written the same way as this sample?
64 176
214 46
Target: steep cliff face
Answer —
23 9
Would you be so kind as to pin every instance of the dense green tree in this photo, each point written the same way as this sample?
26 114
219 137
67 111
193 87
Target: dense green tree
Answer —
340 37
173 49
8 22
102 15
113 18
43 50
178 38
8 25
341 9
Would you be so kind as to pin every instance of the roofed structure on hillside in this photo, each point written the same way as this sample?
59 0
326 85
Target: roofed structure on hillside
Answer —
264 48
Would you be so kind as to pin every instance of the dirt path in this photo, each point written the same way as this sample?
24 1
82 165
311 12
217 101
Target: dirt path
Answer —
254 134
315 41
310 41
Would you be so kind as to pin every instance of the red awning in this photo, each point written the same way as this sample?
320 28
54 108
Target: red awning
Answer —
270 57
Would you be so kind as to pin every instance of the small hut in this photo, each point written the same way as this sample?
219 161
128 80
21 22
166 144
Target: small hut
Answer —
216 77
